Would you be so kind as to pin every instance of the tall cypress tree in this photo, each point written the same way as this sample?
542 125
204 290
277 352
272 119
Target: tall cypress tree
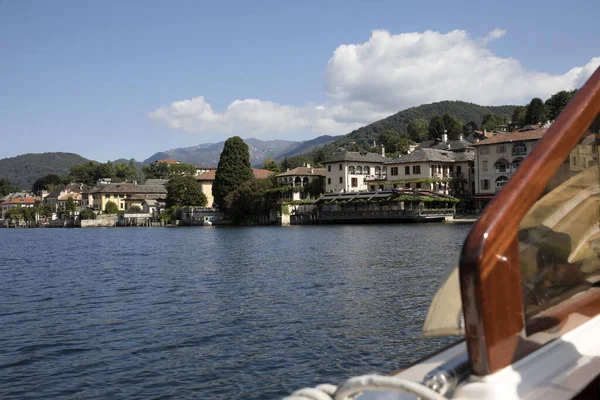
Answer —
233 170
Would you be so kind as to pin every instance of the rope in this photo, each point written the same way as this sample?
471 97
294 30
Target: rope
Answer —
354 386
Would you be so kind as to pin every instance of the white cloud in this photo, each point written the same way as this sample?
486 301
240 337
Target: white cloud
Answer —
368 81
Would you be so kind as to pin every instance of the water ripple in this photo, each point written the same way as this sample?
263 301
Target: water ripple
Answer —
228 313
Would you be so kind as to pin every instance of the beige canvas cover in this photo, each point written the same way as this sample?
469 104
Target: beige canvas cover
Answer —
445 317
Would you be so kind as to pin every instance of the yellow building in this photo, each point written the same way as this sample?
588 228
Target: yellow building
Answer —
125 195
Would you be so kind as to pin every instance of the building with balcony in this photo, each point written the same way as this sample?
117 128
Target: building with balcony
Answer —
351 171
438 171
299 179
498 157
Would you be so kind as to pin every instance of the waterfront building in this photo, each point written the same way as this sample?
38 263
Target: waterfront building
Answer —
498 157
124 195
299 179
351 171
440 171
59 196
206 179
395 205
20 199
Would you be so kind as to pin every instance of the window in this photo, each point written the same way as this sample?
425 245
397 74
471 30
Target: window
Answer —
416 169
329 181
501 149
340 167
329 168
458 170
380 187
484 166
341 180
395 185
122 205
501 166
351 169
354 182
394 171
484 150
377 171
407 170
485 184
107 196
519 149
418 185
367 170
359 170
516 164
372 188
407 185
501 181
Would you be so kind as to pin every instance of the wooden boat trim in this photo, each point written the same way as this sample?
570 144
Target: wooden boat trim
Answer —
489 262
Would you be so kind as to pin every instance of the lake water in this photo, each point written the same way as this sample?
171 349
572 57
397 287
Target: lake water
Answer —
220 313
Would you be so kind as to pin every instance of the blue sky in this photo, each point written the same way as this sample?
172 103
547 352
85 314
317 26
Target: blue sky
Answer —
122 79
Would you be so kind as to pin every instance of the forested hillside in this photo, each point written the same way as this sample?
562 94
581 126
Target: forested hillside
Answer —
466 112
23 170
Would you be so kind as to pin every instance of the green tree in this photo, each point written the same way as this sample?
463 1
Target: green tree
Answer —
111 207
536 112
252 198
320 155
70 204
183 191
126 171
295 161
87 214
29 213
418 129
170 215
135 210
453 125
316 187
469 128
156 170
6 187
47 182
518 116
181 169
436 127
15 213
271 165
233 170
557 102
489 123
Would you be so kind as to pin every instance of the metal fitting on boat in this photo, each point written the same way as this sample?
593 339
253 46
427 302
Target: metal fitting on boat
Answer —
445 378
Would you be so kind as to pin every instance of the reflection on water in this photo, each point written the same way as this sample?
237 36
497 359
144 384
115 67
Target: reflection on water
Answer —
213 312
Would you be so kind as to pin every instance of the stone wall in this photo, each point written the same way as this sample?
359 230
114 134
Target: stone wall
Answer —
100 221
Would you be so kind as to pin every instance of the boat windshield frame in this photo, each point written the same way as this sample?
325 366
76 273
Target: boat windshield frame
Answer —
489 269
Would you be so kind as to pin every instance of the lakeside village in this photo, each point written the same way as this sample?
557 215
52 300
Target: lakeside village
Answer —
435 181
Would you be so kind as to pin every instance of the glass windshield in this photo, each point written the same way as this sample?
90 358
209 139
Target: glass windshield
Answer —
559 238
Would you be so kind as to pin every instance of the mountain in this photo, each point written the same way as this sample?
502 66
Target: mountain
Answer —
309 145
398 122
25 169
260 150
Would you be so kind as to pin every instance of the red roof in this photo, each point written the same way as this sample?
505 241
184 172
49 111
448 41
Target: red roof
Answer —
167 161
207 176
258 174
21 200
262 173
513 137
